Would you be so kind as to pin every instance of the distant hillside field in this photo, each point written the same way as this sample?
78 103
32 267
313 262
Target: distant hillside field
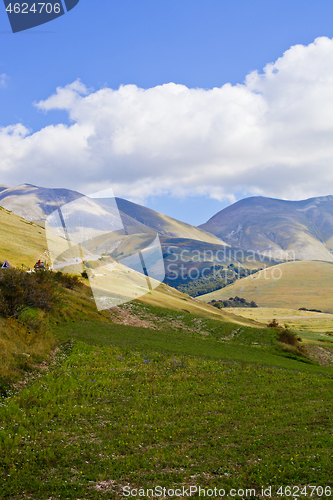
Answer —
306 284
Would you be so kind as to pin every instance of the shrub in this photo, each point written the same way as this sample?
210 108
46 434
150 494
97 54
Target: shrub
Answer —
289 343
232 302
273 324
69 281
20 290
287 337
219 305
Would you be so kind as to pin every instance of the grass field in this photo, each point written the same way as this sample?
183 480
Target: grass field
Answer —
291 285
22 242
312 326
154 396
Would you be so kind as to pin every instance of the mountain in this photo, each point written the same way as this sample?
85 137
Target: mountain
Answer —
23 243
291 285
118 228
36 203
279 229
165 225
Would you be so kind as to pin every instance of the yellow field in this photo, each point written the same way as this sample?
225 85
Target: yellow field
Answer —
309 325
21 242
291 285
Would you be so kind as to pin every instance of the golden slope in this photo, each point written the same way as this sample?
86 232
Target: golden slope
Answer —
21 242
291 285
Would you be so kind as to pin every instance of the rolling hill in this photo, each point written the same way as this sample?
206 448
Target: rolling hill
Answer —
277 228
291 285
22 242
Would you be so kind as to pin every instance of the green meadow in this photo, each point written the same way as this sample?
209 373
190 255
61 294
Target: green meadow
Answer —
147 396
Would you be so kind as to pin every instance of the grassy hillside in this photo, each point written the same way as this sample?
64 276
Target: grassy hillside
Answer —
26 339
306 284
21 241
172 400
167 297
311 326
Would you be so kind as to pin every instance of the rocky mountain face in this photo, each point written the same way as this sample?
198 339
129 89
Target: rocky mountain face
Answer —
278 229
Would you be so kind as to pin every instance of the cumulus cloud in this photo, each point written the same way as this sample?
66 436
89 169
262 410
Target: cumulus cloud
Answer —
271 135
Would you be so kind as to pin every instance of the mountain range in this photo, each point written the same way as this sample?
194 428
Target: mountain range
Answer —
273 230
36 203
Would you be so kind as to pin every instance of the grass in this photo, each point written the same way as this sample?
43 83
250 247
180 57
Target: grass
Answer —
311 326
291 285
105 417
16 234
171 398
26 341
21 349
185 334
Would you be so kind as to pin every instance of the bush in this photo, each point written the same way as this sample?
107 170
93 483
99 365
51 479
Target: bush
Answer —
20 290
232 302
290 343
69 281
273 324
287 337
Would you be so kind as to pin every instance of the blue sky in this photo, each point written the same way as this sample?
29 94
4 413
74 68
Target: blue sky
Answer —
193 43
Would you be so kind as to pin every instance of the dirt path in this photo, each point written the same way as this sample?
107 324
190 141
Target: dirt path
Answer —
322 355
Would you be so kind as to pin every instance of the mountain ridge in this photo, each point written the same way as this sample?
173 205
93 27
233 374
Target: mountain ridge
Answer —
35 203
298 230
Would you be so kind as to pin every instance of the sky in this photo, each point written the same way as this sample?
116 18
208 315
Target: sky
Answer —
184 106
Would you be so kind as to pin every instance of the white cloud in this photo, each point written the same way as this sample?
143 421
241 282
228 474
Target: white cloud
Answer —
271 135
3 80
